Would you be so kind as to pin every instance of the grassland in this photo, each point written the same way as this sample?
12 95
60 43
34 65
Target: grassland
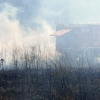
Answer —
35 75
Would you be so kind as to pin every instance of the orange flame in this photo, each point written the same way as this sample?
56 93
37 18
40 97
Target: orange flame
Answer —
59 33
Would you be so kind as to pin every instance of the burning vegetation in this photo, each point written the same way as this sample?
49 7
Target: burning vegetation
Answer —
79 40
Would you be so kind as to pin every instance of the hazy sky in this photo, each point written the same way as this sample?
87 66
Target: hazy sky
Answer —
27 20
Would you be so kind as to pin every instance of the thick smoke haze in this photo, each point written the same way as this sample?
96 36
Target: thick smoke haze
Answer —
31 20
11 28
72 11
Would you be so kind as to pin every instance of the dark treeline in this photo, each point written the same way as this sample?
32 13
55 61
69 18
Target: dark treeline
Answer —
32 77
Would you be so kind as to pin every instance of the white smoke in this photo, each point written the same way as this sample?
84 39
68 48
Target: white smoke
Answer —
12 31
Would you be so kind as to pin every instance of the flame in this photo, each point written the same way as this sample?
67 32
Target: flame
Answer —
60 32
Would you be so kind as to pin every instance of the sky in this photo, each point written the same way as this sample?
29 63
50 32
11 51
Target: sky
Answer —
34 20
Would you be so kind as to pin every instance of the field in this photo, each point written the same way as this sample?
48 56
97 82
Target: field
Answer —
35 75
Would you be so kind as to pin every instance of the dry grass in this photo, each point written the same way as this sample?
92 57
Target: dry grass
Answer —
37 75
